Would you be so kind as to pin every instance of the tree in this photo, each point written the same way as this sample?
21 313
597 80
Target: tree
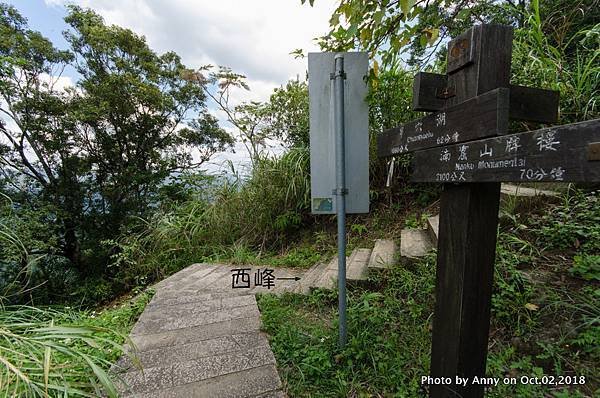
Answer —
248 117
99 151
39 148
283 117
136 109
287 114
389 27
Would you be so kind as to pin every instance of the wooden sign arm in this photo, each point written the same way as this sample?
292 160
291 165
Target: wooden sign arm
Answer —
431 90
478 117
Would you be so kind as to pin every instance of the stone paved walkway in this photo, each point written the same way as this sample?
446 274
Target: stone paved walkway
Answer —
198 337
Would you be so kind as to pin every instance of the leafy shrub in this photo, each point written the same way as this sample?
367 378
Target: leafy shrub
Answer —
41 358
298 257
574 224
548 54
587 334
63 352
586 266
512 291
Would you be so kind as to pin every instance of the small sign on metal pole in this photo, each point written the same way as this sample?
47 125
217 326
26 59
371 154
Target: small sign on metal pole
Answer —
339 147
321 67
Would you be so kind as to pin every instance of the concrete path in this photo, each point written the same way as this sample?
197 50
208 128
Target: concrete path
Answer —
199 337
521 191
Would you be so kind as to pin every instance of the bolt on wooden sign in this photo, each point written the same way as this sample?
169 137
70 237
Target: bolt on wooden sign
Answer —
464 144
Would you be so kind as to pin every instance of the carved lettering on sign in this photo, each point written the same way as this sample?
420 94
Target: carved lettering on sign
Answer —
445 155
440 119
419 137
553 154
485 152
512 144
463 152
479 117
547 141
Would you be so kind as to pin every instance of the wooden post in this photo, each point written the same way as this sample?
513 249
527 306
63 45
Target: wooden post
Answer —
456 145
478 61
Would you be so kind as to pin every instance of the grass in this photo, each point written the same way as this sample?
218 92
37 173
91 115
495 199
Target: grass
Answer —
61 351
545 315
304 338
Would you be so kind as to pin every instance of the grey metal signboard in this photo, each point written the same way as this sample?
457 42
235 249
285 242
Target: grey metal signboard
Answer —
322 135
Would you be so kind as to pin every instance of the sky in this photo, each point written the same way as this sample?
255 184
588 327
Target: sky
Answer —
253 37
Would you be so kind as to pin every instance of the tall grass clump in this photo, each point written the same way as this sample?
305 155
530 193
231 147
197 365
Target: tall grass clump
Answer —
258 212
559 52
264 209
43 351
39 358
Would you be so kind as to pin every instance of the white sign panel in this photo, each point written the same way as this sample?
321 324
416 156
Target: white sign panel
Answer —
322 133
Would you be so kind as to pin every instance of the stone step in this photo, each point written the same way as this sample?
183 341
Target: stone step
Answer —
218 279
414 243
433 228
310 278
383 254
182 274
259 382
190 298
520 191
328 277
204 368
356 270
166 356
188 278
357 265
170 338
174 321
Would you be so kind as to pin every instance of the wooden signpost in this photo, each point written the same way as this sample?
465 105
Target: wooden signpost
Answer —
465 145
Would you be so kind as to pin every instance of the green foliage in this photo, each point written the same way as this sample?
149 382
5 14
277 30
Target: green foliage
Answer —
55 351
560 51
287 114
416 221
28 257
264 208
586 266
94 156
390 99
358 229
390 28
587 336
513 292
573 224
49 352
30 340
304 337
241 217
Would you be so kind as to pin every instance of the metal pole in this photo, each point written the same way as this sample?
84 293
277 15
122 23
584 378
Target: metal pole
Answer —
340 191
